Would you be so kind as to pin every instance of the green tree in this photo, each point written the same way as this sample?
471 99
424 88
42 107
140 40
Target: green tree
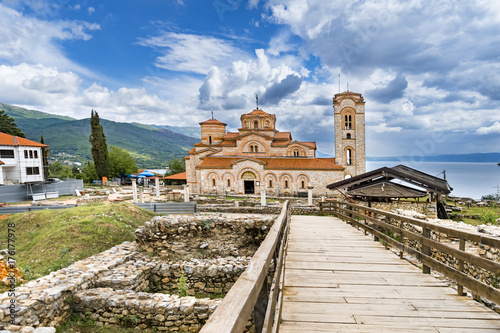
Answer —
176 166
60 170
8 125
99 147
89 174
45 159
120 161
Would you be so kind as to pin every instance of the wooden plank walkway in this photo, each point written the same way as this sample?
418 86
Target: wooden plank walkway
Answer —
337 279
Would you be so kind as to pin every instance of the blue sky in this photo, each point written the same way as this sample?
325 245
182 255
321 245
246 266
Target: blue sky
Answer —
429 70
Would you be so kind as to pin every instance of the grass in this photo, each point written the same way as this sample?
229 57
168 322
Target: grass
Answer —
49 240
485 214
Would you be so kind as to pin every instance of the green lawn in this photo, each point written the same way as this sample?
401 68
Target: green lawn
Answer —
49 240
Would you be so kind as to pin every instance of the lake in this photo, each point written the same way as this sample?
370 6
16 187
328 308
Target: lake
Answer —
471 180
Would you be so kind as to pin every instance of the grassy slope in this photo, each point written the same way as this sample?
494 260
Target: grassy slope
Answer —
49 240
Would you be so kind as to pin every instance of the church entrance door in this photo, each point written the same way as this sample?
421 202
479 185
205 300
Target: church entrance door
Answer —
249 187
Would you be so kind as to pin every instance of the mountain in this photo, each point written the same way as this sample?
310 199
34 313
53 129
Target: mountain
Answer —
68 138
193 132
475 157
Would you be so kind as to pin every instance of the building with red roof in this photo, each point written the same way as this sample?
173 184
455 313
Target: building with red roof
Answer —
259 156
20 160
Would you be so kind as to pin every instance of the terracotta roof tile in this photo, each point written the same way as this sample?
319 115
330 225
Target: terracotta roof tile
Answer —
283 136
1 163
258 111
192 151
231 135
280 163
310 144
178 176
10 140
213 121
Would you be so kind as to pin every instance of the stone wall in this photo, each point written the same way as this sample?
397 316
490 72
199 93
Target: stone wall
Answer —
141 310
110 287
203 236
420 207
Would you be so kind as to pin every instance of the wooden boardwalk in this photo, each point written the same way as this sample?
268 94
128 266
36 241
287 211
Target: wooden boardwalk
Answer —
337 279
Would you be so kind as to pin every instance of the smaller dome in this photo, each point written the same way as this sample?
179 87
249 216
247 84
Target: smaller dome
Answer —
213 122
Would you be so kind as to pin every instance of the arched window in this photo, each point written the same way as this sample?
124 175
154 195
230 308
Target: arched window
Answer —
348 121
255 149
295 152
256 124
213 181
209 140
348 136
348 157
229 183
302 184
286 183
270 183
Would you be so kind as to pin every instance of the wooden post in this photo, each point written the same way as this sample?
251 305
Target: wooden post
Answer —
461 247
426 250
401 253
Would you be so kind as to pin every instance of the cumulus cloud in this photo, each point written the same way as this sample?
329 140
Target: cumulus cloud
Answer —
32 40
280 90
190 52
393 90
493 129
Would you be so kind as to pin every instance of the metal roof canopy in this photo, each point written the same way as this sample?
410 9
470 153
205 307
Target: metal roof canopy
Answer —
401 172
385 189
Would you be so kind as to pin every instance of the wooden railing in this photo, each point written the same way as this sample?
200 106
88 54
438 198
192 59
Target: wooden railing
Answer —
251 292
385 226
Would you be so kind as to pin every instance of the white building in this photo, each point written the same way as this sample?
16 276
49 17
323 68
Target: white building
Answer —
21 160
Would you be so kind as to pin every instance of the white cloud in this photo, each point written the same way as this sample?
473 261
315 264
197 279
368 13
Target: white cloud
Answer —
493 129
91 10
192 53
383 128
31 40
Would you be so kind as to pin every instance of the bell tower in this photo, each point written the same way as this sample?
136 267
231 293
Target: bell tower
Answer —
349 122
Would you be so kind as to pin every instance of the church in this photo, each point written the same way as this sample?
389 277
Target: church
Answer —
260 157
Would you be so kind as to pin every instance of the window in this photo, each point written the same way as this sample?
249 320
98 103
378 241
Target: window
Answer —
209 140
31 153
255 124
349 157
295 152
7 153
213 181
229 183
302 184
348 136
270 183
35 152
32 171
256 149
286 183
25 154
348 121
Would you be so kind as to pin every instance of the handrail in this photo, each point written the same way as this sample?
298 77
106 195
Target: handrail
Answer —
250 290
353 214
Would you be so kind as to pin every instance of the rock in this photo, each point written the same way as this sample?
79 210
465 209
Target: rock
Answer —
45 330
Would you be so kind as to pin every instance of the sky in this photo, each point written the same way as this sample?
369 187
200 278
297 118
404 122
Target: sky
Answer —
429 70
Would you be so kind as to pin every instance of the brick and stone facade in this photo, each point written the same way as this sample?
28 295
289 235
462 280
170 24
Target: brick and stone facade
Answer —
259 157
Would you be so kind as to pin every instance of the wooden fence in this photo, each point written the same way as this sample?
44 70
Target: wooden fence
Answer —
251 292
386 227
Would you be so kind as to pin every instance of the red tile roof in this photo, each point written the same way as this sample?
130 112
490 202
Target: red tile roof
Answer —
213 121
178 176
283 136
310 144
1 163
258 111
276 163
10 140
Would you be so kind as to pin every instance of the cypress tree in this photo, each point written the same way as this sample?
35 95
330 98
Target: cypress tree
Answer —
99 147
45 159
8 125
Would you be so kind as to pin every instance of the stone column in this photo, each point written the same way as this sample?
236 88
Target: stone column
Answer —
134 189
186 193
141 194
157 186
262 196
310 195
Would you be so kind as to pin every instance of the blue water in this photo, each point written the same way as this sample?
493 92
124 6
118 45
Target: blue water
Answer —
471 180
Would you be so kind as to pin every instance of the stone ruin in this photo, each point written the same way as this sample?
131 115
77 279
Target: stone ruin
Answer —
135 284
